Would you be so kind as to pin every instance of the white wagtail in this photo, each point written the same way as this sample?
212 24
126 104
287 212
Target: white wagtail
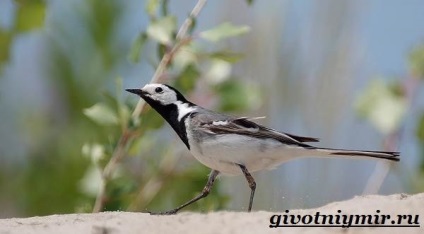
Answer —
232 145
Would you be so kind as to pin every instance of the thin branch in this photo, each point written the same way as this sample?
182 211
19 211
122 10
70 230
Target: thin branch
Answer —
182 39
153 186
110 167
189 21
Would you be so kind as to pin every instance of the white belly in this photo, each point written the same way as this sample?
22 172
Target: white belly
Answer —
224 152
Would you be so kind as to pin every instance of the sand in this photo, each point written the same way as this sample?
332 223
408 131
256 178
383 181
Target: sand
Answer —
226 221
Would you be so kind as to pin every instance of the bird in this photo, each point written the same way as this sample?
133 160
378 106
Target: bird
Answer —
232 145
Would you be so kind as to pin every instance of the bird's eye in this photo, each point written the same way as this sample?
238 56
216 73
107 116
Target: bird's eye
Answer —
158 90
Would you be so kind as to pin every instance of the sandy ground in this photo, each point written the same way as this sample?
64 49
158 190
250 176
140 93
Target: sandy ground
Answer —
226 222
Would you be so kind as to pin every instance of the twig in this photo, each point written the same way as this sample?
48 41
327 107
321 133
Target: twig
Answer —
182 39
153 186
117 155
189 21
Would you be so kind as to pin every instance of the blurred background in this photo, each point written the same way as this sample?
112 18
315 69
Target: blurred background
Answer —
348 72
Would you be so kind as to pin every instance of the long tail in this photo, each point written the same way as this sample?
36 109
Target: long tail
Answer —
393 156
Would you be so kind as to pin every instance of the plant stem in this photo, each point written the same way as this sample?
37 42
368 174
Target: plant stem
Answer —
182 38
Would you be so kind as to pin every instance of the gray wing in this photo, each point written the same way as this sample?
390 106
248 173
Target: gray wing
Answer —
215 123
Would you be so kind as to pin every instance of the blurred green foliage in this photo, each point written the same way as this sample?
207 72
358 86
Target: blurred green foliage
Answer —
236 96
416 62
5 40
29 15
385 105
76 138
223 31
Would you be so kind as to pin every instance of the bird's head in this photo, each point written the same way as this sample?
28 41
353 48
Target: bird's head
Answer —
159 94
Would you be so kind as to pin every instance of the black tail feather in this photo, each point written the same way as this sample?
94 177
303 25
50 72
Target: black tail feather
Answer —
393 156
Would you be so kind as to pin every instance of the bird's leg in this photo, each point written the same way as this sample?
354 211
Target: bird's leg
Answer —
252 184
205 192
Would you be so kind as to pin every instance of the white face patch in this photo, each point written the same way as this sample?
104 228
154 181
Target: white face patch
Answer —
183 109
167 96
160 93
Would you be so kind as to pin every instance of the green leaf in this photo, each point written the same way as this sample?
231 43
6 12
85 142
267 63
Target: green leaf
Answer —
420 128
218 71
123 110
151 120
152 6
137 47
135 146
382 105
5 40
161 50
184 57
144 143
30 16
162 30
237 96
101 114
192 25
416 62
249 2
92 181
186 81
95 152
227 56
164 8
224 31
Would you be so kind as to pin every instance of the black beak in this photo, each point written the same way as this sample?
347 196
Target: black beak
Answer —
139 92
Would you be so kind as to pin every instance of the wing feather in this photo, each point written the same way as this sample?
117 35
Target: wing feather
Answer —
243 126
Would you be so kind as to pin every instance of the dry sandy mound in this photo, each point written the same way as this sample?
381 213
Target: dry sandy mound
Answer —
396 210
